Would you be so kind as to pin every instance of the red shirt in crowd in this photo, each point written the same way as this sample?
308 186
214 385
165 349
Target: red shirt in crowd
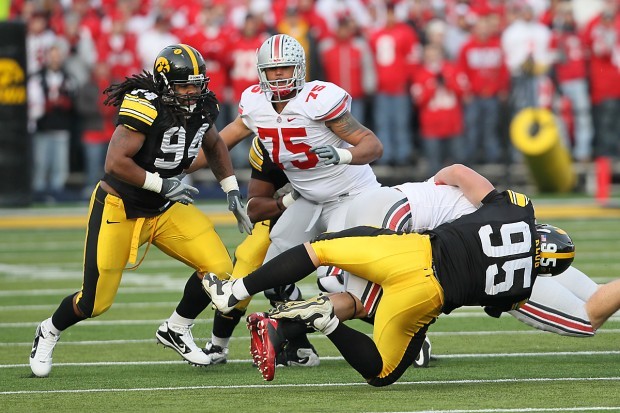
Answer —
570 62
243 72
342 64
483 63
120 52
439 101
601 39
396 53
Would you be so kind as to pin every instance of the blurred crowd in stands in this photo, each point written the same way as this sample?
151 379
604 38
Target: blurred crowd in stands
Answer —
437 80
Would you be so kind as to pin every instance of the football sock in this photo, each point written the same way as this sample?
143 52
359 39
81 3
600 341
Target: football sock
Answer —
175 318
64 316
219 341
224 325
287 268
358 350
239 290
49 326
195 300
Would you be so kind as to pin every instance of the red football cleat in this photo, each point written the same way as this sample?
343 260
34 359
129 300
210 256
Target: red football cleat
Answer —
256 344
271 345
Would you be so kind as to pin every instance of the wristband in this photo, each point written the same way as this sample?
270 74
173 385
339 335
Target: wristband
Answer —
229 184
280 204
345 156
287 200
152 182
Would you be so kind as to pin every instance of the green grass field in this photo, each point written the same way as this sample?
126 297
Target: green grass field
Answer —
112 363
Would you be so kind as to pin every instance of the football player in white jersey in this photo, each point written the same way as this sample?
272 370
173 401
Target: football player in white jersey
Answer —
308 131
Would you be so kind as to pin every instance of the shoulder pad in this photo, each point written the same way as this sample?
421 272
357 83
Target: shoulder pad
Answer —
137 110
249 97
256 154
328 100
517 198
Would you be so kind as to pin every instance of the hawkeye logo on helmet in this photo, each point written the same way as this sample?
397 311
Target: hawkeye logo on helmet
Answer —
162 65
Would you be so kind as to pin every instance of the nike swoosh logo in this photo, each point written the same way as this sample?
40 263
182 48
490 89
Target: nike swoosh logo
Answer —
290 119
112 222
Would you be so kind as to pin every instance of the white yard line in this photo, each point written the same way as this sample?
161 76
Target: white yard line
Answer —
314 337
308 385
330 358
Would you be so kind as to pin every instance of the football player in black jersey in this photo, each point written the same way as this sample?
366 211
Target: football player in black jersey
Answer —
164 120
490 257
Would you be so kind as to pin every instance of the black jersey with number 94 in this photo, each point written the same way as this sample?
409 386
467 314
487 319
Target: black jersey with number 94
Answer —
488 257
170 146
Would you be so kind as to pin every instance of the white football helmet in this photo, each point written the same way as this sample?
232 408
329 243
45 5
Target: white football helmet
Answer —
281 50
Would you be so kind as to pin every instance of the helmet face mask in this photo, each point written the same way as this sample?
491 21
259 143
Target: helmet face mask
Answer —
281 50
557 250
181 64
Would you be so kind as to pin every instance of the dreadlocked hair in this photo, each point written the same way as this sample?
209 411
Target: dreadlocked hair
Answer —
116 92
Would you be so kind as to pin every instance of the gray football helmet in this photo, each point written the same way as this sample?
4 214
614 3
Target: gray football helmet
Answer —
277 51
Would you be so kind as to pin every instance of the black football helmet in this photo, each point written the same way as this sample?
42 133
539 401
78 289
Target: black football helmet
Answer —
557 250
176 65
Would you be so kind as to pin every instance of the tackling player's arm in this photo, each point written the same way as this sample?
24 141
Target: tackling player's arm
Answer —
124 144
217 155
264 201
232 134
474 186
366 146
261 203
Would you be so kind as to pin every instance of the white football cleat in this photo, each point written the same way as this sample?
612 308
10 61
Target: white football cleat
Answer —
42 349
220 292
302 357
218 354
180 339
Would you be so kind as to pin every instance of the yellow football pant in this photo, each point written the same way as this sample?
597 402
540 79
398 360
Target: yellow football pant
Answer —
183 232
412 297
